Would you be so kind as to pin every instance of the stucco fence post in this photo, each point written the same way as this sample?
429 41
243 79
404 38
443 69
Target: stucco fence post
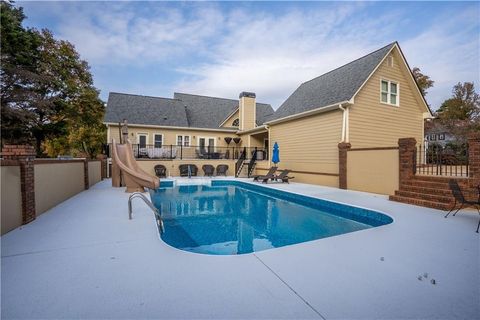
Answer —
25 155
407 153
343 148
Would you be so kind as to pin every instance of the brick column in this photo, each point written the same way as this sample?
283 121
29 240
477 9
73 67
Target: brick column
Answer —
103 165
474 163
85 174
407 157
343 148
25 155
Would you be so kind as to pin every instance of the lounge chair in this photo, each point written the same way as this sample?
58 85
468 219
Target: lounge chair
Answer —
460 199
222 169
208 170
270 175
160 171
283 176
184 170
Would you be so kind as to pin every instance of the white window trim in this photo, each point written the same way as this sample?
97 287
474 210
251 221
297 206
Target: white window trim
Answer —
142 134
389 92
183 140
158 134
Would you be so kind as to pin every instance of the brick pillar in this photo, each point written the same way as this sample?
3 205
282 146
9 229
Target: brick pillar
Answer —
85 174
407 154
474 162
25 155
343 148
103 165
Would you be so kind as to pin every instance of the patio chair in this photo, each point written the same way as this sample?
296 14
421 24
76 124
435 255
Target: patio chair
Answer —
160 171
270 175
283 176
184 170
208 170
460 199
222 169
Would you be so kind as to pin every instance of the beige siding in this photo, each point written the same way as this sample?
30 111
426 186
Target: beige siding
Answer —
374 124
170 135
229 122
172 166
56 182
373 171
310 144
11 214
94 172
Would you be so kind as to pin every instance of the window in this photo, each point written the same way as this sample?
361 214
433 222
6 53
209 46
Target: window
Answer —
389 92
183 140
441 136
433 137
158 140
236 122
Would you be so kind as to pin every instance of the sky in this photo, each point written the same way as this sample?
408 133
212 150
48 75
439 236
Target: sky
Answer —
223 48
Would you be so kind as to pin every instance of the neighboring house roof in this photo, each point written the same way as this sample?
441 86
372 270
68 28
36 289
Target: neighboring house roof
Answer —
185 110
332 87
145 110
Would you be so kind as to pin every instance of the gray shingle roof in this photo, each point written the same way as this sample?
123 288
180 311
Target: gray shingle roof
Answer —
145 110
185 110
210 112
332 87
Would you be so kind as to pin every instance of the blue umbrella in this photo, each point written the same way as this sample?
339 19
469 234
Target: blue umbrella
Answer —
276 154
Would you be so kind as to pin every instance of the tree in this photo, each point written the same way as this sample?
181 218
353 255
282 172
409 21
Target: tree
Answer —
424 82
464 104
19 55
48 95
461 113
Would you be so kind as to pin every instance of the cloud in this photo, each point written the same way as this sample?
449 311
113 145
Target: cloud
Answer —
221 49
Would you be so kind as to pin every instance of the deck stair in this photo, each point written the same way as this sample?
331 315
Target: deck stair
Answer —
242 170
427 191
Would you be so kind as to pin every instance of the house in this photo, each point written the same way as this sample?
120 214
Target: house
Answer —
364 106
437 134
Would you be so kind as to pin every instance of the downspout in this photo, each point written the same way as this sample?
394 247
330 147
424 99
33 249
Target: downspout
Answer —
344 122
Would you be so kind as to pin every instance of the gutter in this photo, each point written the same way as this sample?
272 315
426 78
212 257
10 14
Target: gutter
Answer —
259 128
172 127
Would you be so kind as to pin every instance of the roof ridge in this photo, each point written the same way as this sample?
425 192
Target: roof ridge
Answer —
144 96
199 95
346 64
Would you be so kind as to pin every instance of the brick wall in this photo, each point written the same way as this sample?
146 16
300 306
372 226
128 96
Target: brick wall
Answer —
407 154
25 155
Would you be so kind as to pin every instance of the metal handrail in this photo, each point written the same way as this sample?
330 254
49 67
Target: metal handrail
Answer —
149 204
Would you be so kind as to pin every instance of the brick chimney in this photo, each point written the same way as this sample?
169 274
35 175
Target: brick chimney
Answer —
247 111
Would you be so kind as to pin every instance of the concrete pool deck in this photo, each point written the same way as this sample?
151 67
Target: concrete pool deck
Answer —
85 259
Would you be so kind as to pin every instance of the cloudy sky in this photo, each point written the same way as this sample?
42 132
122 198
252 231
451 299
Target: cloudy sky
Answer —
223 48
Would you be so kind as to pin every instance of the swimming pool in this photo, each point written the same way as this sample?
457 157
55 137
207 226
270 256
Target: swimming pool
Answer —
233 217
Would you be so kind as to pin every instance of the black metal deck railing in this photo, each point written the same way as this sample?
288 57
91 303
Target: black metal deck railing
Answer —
171 152
437 160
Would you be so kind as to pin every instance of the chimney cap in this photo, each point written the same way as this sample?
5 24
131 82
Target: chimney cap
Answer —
247 94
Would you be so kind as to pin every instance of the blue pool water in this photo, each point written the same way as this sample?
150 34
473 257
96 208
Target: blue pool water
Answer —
232 217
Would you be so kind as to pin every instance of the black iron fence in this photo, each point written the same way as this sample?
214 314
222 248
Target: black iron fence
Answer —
437 160
171 152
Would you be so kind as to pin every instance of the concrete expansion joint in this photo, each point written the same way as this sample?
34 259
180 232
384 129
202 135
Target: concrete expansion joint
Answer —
290 288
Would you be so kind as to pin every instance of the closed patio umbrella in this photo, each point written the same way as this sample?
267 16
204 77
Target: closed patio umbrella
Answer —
276 154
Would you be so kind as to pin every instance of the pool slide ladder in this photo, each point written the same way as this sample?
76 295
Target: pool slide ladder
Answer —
149 204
